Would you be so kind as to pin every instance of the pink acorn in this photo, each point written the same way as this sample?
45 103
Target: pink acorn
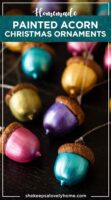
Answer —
19 144
78 48
107 58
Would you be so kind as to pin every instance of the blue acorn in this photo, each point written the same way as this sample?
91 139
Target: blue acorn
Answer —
102 8
72 163
37 59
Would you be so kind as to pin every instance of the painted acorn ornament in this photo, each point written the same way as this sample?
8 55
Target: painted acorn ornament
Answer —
107 58
80 75
80 7
46 6
14 46
79 48
63 116
37 59
24 101
19 144
72 163
102 8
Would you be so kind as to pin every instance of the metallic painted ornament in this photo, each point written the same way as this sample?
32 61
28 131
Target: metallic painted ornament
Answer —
15 46
37 59
80 76
102 8
72 163
24 101
46 7
63 116
79 48
19 144
107 57
79 7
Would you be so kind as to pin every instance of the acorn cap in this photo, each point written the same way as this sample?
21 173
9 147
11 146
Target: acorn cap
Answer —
40 45
74 106
33 5
87 62
101 1
7 132
80 149
17 88
14 12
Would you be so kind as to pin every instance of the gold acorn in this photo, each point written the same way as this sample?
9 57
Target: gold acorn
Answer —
80 76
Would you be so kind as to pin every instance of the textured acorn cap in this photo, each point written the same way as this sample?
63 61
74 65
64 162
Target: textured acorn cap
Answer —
79 149
87 62
33 5
40 45
7 132
14 12
17 88
74 106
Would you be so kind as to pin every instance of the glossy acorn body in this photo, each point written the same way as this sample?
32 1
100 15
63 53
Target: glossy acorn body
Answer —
20 144
24 102
79 48
72 163
15 46
107 58
37 60
70 168
46 7
59 119
80 76
80 8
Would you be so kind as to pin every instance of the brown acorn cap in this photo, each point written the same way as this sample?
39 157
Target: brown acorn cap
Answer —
33 5
7 132
17 88
74 106
40 45
90 63
79 149
14 12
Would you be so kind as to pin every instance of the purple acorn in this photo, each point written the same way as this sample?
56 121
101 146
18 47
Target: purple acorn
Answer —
63 116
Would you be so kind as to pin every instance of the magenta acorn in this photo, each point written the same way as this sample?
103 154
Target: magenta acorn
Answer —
107 58
78 48
19 144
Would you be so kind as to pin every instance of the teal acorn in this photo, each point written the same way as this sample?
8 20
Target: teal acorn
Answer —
37 59
72 163
103 8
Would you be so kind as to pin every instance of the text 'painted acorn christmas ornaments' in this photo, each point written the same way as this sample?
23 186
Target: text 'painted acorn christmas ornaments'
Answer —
80 75
37 59
24 101
72 163
63 116
19 144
